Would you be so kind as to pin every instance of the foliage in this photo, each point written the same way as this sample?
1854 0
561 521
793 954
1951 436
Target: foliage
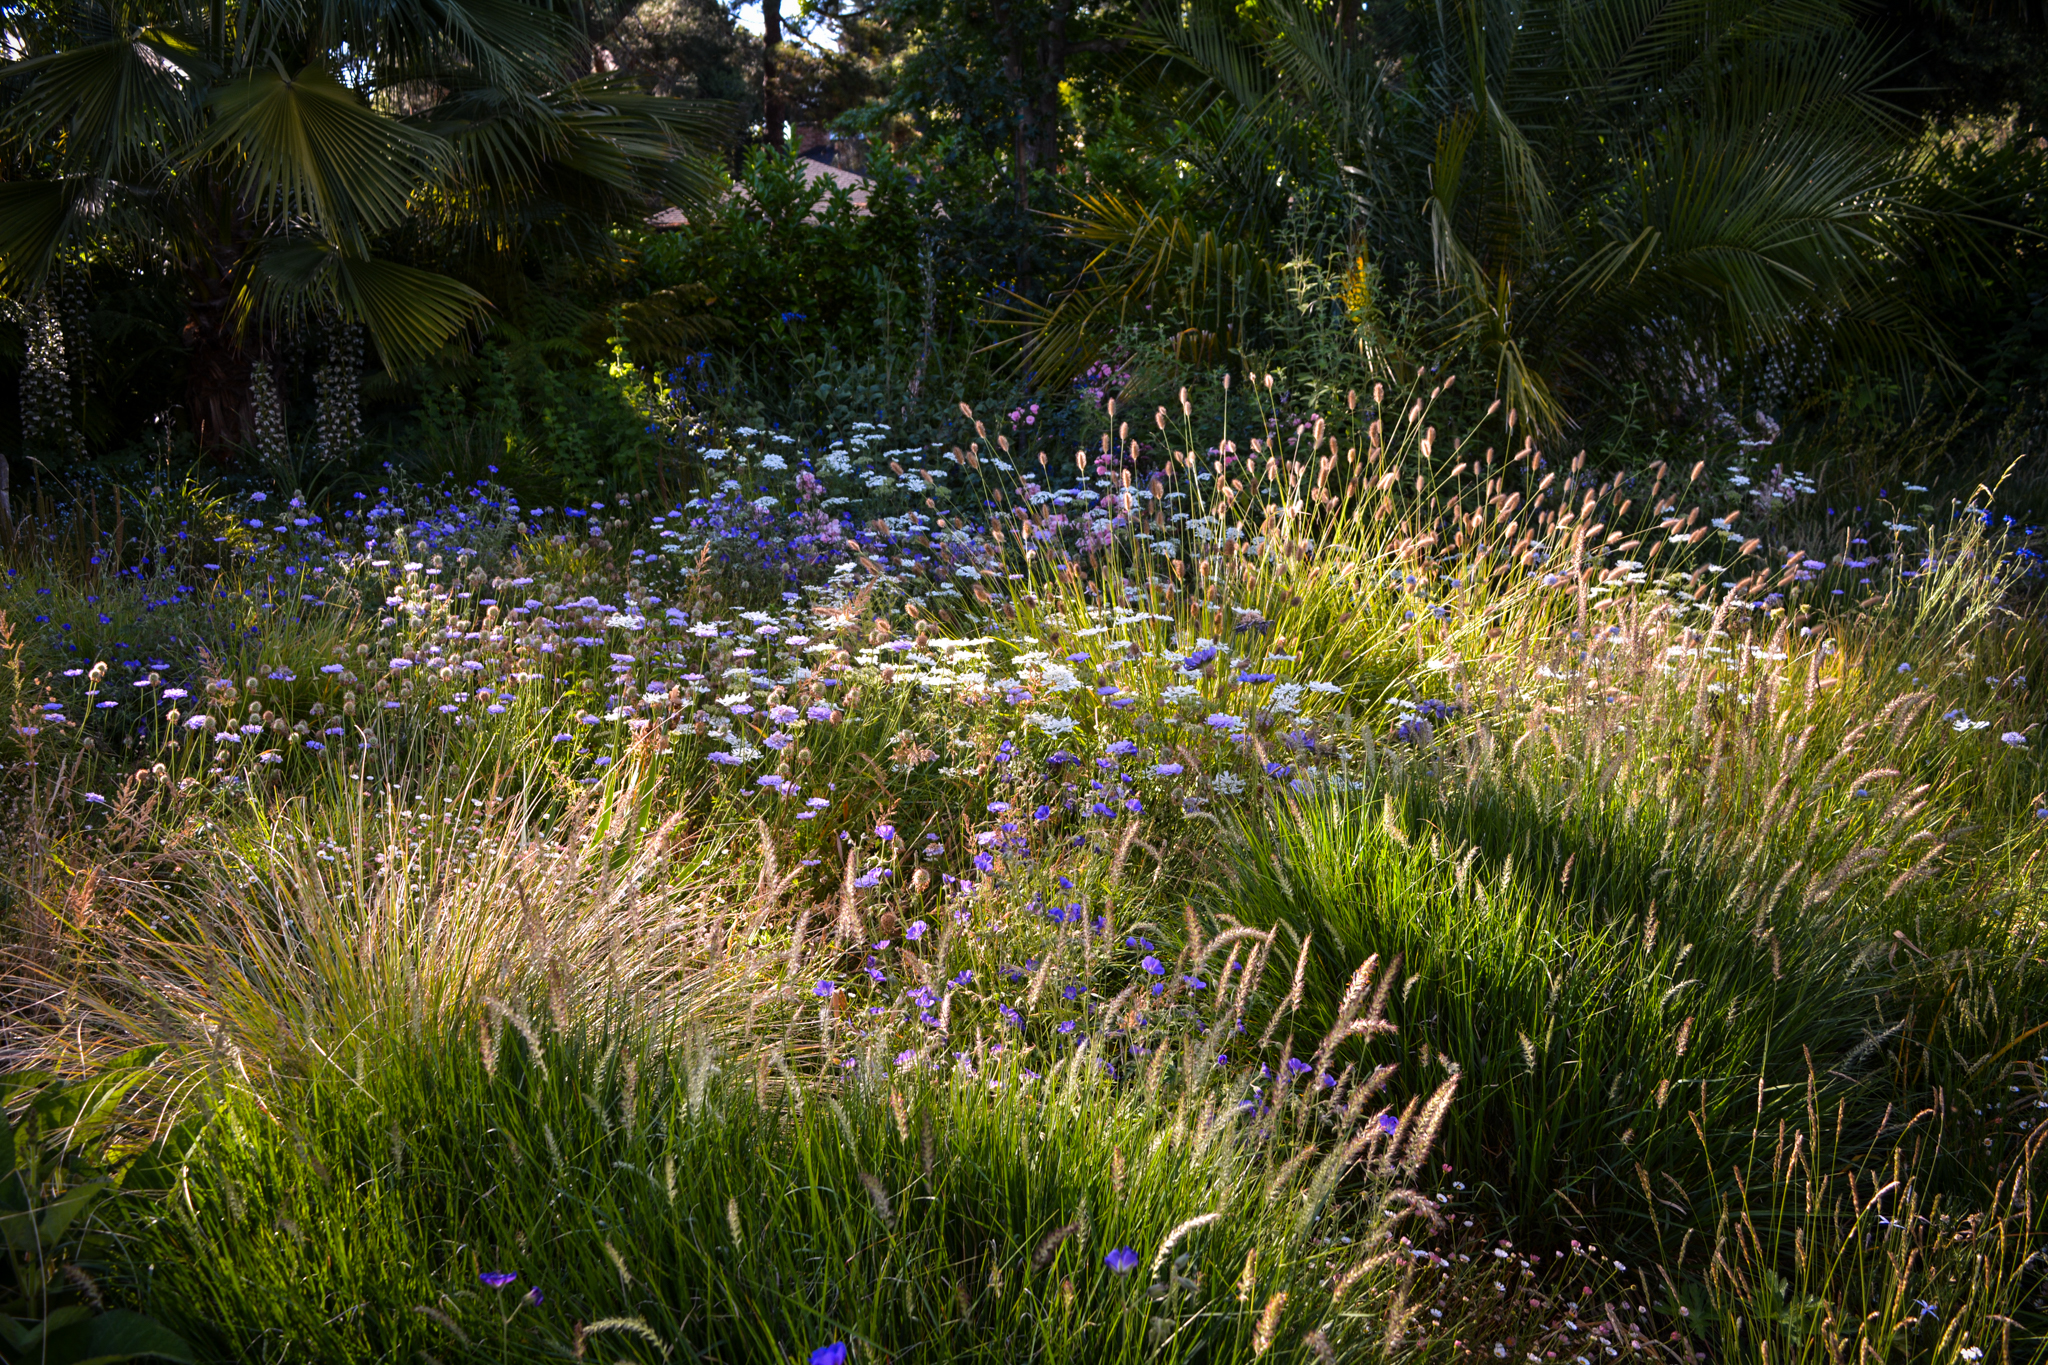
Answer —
277 167
1595 197
59 1242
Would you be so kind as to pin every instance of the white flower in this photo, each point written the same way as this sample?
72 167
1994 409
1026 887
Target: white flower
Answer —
1227 784
1051 722
1180 692
774 462
1059 677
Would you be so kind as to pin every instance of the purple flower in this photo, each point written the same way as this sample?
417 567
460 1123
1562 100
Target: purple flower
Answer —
498 1279
1389 1124
2013 738
1123 1260
885 832
835 1354
1153 966
823 990
916 930
1167 770
534 1296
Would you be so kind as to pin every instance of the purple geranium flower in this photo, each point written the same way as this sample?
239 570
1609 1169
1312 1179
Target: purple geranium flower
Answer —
1123 1260
498 1279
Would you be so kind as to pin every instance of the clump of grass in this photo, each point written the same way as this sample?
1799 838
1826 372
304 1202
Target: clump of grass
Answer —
264 939
499 1201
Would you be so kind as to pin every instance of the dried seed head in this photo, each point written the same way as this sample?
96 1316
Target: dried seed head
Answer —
1269 1320
880 1197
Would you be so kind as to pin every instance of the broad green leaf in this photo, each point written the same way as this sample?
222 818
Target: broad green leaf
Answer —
408 312
120 1335
105 105
309 148
35 216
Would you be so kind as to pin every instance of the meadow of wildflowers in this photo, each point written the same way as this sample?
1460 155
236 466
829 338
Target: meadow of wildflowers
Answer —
1313 887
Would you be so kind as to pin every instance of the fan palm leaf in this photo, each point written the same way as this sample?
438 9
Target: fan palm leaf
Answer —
1593 192
285 158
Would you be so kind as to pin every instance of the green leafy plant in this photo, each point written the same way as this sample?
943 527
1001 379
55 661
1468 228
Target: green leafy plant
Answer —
1594 196
59 1249
281 166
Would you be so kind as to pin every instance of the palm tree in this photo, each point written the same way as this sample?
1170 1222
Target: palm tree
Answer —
283 160
1590 193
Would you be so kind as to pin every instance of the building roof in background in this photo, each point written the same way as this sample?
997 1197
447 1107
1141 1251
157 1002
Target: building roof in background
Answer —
814 171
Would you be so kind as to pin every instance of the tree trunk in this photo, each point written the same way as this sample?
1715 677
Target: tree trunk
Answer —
1011 43
1052 74
217 379
772 116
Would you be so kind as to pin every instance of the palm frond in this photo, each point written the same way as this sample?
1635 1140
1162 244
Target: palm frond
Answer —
308 148
409 313
35 218
100 105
